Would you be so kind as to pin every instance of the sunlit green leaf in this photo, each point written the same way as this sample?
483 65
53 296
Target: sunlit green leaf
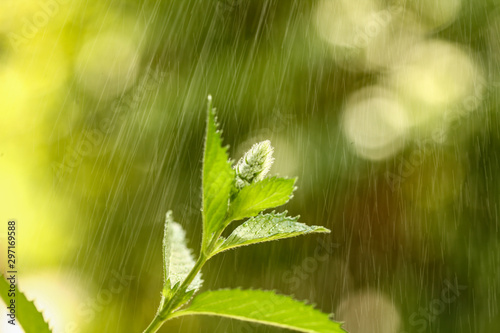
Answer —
27 314
256 197
267 227
177 257
218 180
263 307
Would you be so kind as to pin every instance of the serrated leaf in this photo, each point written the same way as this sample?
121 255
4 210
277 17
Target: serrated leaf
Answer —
263 307
177 257
267 227
27 315
218 179
256 197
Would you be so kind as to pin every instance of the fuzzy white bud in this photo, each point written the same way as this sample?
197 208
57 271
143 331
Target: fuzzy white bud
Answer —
255 164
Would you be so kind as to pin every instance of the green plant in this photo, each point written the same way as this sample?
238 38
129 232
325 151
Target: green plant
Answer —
24 312
229 194
232 194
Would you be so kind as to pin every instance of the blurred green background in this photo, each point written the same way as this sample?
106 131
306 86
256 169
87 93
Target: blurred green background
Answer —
386 111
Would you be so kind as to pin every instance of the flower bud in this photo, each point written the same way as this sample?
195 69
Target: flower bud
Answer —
255 164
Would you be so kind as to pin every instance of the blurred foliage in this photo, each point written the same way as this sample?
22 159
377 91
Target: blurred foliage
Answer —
102 106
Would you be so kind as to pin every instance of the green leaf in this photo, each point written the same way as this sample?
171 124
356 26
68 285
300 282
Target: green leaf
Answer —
256 197
27 315
177 258
267 227
218 180
263 307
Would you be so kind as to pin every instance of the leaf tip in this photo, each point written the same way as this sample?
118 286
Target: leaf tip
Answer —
323 230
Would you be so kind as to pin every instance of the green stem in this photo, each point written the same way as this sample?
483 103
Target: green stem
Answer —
155 325
172 304
164 314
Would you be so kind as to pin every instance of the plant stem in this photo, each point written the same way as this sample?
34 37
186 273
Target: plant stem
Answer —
163 314
155 325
